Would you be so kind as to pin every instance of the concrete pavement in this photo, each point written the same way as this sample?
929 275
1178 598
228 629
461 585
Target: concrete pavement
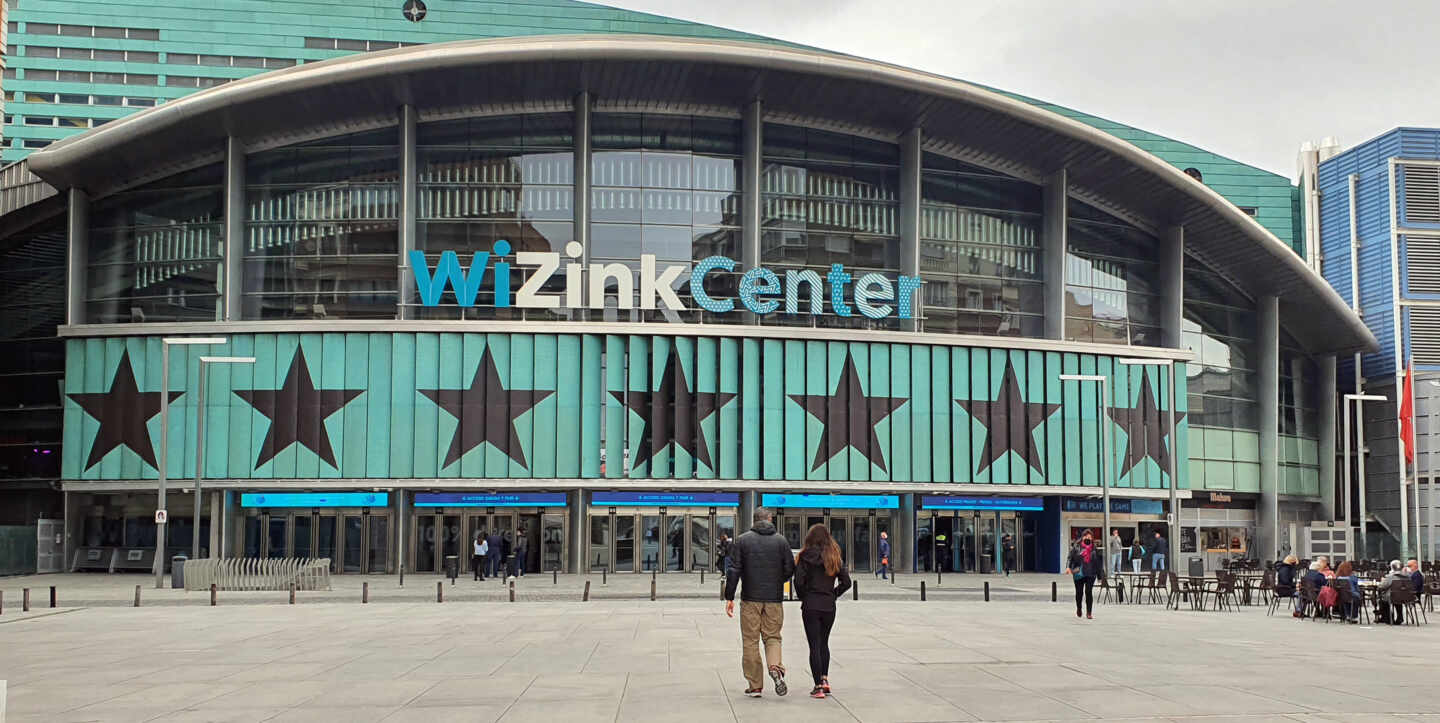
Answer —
613 660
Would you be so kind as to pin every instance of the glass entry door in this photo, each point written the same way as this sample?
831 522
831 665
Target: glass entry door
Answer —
439 534
649 541
971 541
354 542
857 532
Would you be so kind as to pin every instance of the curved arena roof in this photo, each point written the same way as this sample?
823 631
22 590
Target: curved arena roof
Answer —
649 72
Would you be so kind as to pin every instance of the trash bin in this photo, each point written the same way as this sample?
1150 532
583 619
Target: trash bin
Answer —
177 572
452 566
1197 567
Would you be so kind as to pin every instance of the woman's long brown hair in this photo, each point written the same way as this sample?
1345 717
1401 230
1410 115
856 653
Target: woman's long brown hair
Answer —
819 538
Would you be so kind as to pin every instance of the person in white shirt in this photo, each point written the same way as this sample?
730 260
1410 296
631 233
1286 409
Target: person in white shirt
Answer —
477 560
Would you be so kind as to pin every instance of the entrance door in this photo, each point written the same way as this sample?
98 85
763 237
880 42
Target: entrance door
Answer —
353 547
985 534
427 537
924 543
675 543
861 559
840 530
700 553
624 543
1009 544
945 549
650 533
965 539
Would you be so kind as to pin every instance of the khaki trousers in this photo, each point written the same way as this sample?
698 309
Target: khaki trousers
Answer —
759 621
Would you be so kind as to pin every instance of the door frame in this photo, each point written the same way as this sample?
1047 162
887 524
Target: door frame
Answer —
666 515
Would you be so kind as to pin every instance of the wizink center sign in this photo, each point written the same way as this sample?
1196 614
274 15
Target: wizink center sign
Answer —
762 291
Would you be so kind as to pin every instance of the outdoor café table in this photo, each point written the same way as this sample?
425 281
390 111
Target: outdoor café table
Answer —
1195 588
1129 579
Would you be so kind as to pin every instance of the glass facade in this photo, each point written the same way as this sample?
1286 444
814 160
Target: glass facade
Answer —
667 185
1299 420
322 228
828 198
32 358
1221 333
1111 280
483 180
155 251
980 251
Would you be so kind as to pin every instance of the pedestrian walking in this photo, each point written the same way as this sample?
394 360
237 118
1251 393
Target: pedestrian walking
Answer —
1157 553
1137 555
507 548
760 564
1114 547
522 549
477 560
884 571
1085 565
820 580
722 553
1007 554
497 546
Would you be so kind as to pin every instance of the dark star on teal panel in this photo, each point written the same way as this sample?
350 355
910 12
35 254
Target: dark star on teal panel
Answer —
305 423
1009 422
673 388
843 424
1146 430
123 413
486 393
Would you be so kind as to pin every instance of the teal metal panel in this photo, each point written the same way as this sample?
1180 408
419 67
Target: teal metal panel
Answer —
661 408
381 418
817 374
707 381
878 361
406 407
729 429
921 418
331 376
797 421
639 381
543 426
429 449
1035 394
682 464
1089 424
1057 427
902 420
353 458
980 431
773 418
750 409
580 406
940 404
962 462
520 387
616 416
269 372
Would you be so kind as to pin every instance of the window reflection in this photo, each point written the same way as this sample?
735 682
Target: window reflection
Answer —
1111 280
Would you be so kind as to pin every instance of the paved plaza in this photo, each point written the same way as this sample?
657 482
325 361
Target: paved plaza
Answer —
635 660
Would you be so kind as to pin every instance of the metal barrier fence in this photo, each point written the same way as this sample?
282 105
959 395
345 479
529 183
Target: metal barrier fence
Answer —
250 574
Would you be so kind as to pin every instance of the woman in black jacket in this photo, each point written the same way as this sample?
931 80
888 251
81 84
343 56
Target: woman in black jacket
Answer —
1085 565
820 578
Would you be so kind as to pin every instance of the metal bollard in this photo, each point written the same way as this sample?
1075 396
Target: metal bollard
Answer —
439 592
604 576
292 593
937 575
855 591
2 601
402 577
137 596
1054 592
892 577
25 600
364 593
987 591
702 577
586 596
652 589
212 594
512 591
922 591
52 596
722 590
555 576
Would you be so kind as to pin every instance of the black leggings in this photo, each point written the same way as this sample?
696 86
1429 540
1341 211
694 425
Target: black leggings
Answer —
1087 585
817 634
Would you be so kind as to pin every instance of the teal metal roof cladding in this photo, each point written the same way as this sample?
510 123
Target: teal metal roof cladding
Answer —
289 30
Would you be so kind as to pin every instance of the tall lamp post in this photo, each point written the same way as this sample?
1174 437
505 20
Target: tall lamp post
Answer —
1105 453
1359 402
1173 554
200 441
161 469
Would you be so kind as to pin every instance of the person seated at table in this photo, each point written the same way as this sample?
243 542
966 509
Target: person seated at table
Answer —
1315 578
1347 573
1417 578
1385 612
1325 567
1285 580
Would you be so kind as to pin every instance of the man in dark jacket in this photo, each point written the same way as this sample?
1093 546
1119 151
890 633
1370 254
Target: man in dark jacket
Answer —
760 563
884 571
497 547
522 548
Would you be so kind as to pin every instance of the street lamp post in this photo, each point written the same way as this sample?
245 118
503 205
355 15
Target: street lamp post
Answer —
200 441
161 468
1173 554
1359 401
1105 453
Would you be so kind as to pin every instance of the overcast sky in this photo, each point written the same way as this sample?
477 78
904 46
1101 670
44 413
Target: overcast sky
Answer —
1248 79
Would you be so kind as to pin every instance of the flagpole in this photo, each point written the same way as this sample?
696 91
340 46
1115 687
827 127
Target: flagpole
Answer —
1407 408
1415 467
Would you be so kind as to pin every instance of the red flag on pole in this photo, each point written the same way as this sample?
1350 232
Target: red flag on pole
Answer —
1407 413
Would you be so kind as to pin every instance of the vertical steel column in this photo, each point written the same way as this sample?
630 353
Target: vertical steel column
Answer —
409 200
910 191
77 256
72 519
1053 236
227 514
1352 198
746 512
752 127
582 175
1345 478
1172 286
904 530
1326 404
1268 375
232 279
214 543
577 504
399 546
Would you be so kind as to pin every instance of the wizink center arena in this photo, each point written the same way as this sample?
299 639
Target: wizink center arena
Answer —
617 290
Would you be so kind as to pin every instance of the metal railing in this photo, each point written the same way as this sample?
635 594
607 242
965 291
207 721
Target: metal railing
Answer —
252 574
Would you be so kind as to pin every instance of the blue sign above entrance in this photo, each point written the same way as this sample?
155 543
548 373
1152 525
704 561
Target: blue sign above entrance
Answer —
1119 506
315 499
482 499
681 499
834 502
999 504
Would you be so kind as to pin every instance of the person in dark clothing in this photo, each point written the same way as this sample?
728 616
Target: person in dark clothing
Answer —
497 546
506 549
1085 565
1417 578
522 548
760 564
1285 580
820 579
884 571
1157 553
1007 554
722 553
477 560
